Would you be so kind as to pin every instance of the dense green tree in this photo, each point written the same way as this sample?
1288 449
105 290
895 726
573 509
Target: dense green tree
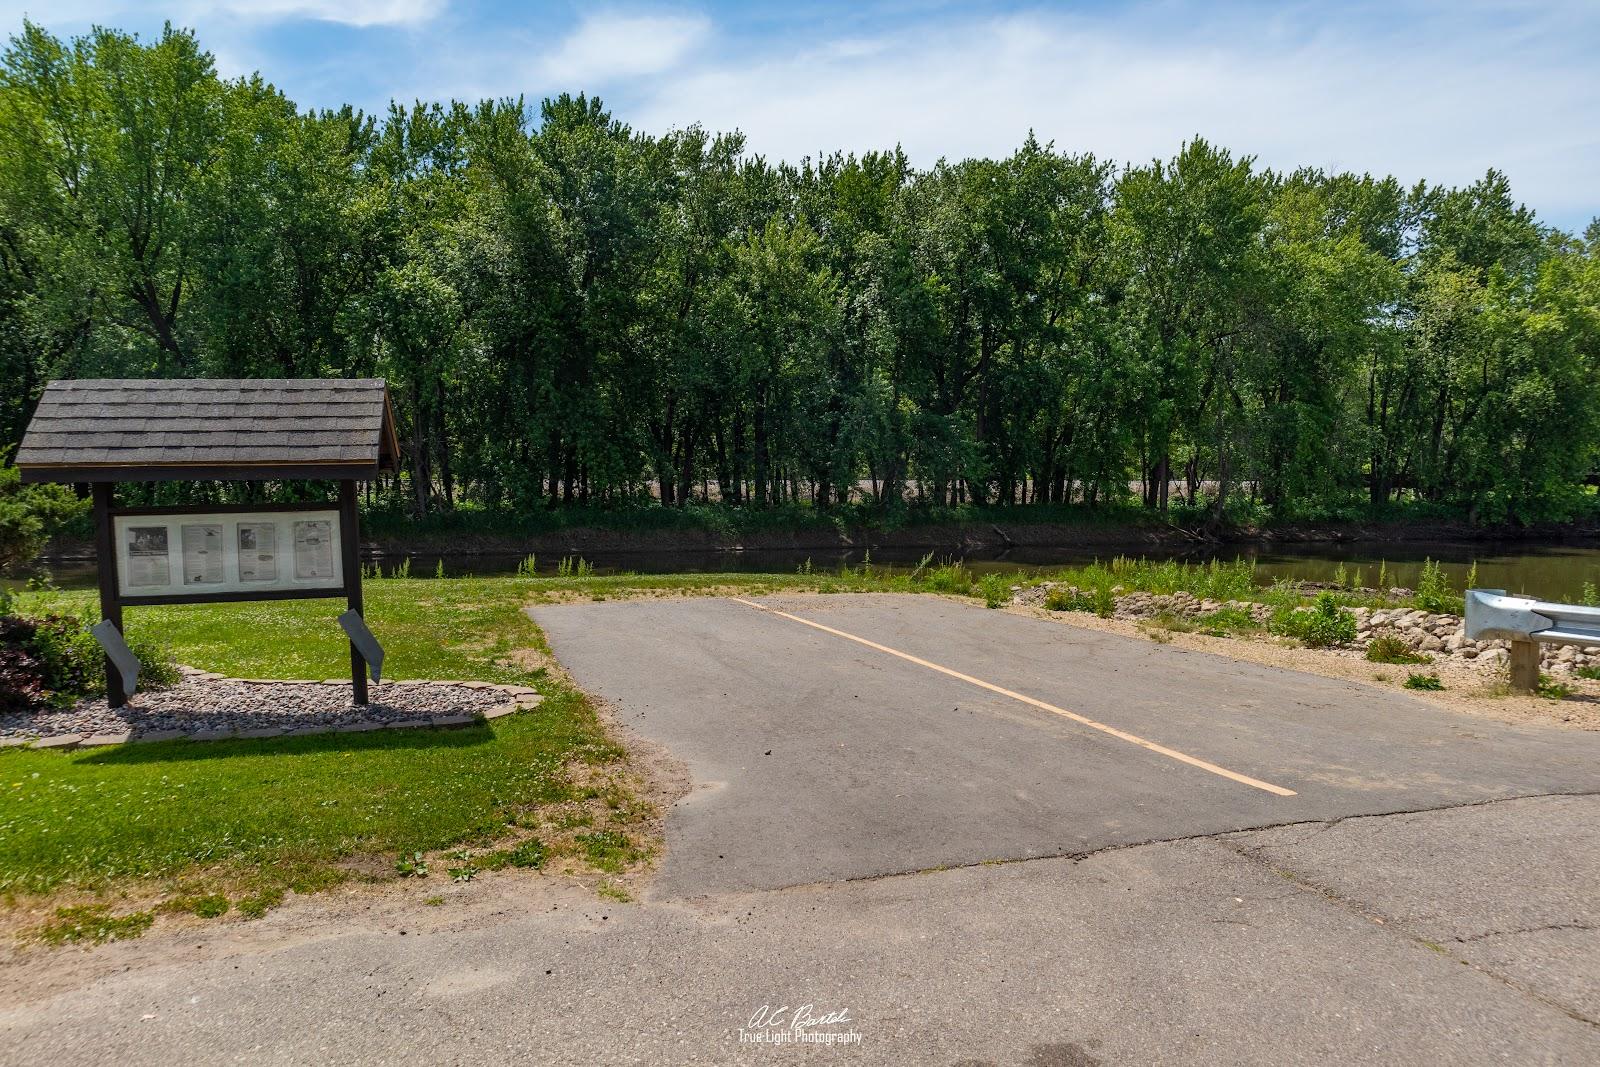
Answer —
570 311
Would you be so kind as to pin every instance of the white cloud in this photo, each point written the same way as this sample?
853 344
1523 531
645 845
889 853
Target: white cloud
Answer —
189 12
1432 97
608 47
348 12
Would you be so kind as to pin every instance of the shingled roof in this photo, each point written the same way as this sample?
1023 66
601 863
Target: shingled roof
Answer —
132 430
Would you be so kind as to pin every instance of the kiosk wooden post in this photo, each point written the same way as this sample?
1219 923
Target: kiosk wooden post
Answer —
350 548
110 606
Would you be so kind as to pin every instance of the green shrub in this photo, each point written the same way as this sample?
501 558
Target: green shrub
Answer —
1423 681
1068 598
1551 689
1323 624
72 665
996 589
30 515
1390 648
1434 593
950 578
1224 622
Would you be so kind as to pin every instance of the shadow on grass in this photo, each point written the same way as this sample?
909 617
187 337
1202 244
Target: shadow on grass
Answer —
370 741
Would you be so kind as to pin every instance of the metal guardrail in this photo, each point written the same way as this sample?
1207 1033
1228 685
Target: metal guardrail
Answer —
1527 623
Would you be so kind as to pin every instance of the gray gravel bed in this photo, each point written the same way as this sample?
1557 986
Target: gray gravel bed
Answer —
206 703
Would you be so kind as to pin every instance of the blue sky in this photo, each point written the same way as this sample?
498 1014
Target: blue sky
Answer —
1429 89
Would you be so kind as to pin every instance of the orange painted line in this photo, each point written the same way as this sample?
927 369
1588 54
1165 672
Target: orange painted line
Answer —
1121 735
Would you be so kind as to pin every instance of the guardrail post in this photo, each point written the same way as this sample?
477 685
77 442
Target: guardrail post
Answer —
1525 665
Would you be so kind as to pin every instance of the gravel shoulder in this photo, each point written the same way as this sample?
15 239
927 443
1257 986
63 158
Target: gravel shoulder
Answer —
1469 687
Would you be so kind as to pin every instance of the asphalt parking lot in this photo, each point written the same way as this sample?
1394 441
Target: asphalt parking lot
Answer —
957 837
838 737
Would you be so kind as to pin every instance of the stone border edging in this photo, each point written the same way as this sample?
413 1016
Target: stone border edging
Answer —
521 697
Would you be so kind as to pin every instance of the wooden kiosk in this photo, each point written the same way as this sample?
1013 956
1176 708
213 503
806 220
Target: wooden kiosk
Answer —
105 431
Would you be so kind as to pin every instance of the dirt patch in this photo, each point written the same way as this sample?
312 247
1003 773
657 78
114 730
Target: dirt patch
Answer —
31 973
1468 688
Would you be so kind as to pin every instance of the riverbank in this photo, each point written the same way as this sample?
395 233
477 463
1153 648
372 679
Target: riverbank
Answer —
1119 530
701 529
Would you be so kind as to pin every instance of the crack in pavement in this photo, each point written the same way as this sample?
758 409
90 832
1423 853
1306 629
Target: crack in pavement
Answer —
1317 825
1525 930
1371 913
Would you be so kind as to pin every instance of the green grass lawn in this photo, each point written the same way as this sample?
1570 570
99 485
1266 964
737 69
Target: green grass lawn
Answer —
185 822
454 628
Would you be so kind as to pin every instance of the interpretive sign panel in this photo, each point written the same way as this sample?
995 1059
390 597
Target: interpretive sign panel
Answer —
233 552
145 564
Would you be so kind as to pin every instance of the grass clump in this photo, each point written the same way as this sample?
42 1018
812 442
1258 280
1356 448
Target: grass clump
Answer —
1228 621
1591 673
1427 682
611 851
93 923
258 904
205 905
1391 648
1323 624
527 855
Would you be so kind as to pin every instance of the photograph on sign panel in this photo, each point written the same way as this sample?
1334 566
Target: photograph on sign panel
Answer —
258 552
313 549
202 554
147 557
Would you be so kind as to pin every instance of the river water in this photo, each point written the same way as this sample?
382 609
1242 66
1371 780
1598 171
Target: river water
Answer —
1554 572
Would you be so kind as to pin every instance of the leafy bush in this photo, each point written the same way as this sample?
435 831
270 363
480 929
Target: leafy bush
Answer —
1224 622
1429 682
1551 689
995 589
1324 624
55 661
1068 598
1434 593
950 578
21 673
1390 648
30 516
